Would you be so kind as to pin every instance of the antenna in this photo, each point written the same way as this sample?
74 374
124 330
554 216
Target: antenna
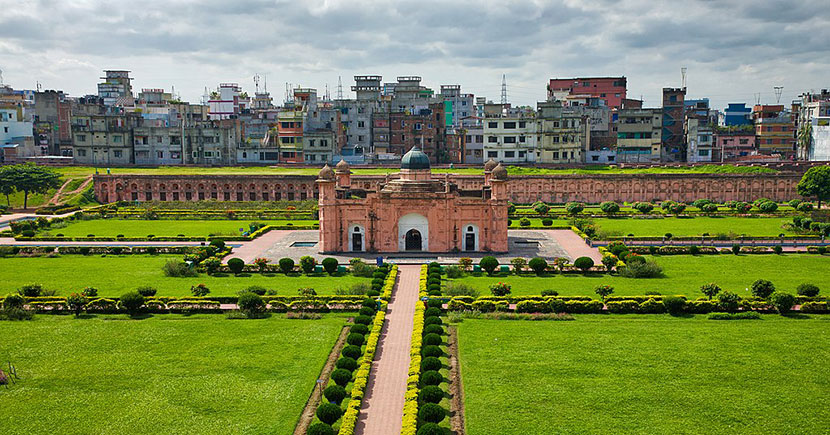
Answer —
757 98
39 86
256 82
683 77
503 89
265 82
1 76
326 97
339 88
778 91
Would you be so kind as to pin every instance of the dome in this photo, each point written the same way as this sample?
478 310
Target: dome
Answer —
415 159
499 172
326 173
342 166
490 165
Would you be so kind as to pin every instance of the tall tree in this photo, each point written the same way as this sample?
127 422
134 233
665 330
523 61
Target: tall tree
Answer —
816 182
7 182
30 178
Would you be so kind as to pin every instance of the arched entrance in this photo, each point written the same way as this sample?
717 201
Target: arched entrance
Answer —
357 241
470 238
409 240
413 240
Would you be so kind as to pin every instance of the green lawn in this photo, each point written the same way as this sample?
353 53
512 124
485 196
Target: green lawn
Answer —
684 274
115 275
164 374
163 227
693 226
649 374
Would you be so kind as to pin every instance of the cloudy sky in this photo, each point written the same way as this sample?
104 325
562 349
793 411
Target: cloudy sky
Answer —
732 49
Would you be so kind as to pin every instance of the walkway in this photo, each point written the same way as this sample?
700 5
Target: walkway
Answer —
250 250
382 409
574 245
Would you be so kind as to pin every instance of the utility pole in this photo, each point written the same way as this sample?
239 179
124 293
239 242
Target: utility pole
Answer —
778 91
503 89
339 88
683 77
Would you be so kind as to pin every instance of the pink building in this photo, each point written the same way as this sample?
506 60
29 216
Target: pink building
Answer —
610 89
734 145
412 211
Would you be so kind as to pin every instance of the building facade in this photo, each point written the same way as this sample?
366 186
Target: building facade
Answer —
774 131
639 135
612 90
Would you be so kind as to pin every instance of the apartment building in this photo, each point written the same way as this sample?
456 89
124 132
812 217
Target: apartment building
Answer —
735 142
116 89
104 139
510 139
808 107
563 134
774 130
228 101
612 90
474 145
673 125
639 135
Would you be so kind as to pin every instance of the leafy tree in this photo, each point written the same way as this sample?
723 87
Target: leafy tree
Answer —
199 290
644 207
251 304
30 178
728 301
783 302
762 288
541 208
584 263
132 302
538 264
307 264
76 303
574 208
604 291
560 263
465 263
489 264
710 290
815 183
7 186
519 264
609 261
807 289
609 207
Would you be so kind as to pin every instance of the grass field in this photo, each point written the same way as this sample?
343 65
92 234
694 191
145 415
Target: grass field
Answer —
163 227
684 274
164 374
115 275
693 226
649 374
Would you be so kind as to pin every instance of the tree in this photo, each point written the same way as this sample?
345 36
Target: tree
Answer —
762 288
584 263
783 302
728 301
609 261
815 182
236 265
76 303
710 290
807 289
132 302
519 264
251 304
466 263
609 207
574 208
560 263
489 264
644 207
330 265
538 264
30 178
541 208
286 265
7 182
307 264
604 291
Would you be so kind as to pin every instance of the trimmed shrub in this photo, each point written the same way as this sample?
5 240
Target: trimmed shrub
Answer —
430 363
500 289
363 320
431 394
433 350
199 290
286 265
549 292
76 303
347 363
432 312
146 291
329 413
359 329
434 303
609 207
489 264
623 307
807 289
454 272
649 269
652 306
710 290
762 288
728 301
330 265
749 315
355 339
31 290
335 393
777 249
432 413
736 249
251 304
547 222
430 429
320 428
604 291
433 320
341 377
256 289
366 311
92 292
432 340
525 222
538 265
431 377
674 305
434 329
218 244
307 264
454 289
584 263
643 207
351 351
132 302
236 265
768 207
783 302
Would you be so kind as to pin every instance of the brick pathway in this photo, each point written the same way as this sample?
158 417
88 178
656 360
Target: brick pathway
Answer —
248 251
574 245
382 409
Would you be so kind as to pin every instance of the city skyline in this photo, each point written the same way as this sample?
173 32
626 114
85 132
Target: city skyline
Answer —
196 45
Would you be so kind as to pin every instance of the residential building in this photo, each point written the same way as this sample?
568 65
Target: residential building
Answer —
474 145
737 114
53 122
672 133
735 142
153 146
509 139
227 102
805 109
104 139
563 134
820 139
424 128
457 106
774 130
612 90
700 144
639 135
16 135
116 88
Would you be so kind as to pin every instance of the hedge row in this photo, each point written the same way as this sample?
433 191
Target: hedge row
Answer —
250 237
92 250
711 250
409 423
348 422
389 283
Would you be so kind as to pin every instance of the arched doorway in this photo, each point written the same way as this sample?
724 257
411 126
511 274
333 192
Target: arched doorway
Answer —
407 239
357 241
470 238
413 240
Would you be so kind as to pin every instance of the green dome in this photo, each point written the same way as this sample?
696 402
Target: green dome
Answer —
415 159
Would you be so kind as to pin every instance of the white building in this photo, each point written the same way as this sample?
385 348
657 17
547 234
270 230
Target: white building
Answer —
510 139
12 129
227 102
820 143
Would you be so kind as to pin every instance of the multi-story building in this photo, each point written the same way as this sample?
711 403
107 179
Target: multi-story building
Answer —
227 102
16 135
425 128
639 135
474 145
672 133
510 139
154 146
700 144
53 122
457 106
356 115
116 88
612 90
104 139
563 134
805 109
774 130
819 149
735 142
737 114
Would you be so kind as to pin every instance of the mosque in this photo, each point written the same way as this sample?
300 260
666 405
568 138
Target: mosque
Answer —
412 211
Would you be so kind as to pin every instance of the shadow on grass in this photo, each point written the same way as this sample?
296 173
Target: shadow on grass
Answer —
798 316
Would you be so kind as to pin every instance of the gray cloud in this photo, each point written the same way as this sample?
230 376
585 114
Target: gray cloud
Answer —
733 49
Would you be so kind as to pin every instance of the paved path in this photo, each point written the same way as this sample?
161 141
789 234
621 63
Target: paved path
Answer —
248 251
382 409
574 245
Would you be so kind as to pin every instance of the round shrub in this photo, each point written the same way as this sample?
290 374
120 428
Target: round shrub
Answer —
286 265
807 289
146 291
370 303
251 304
434 320
236 265
359 329
13 301
489 264
432 311
329 413
218 244
341 377
609 207
432 340
347 363
431 377
674 305
366 311
330 265
132 302
31 290
372 293
547 222
355 339
432 413
584 263
335 393
430 429
320 429
762 288
362 320
433 350
431 363
538 264
434 288
525 222
574 208
434 329
437 303
351 351
783 302
431 394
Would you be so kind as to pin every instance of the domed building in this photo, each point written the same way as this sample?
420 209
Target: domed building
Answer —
412 211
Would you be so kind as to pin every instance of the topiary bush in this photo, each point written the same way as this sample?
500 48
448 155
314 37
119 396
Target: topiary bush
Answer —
432 413
236 265
728 301
807 289
430 429
431 394
347 363
307 264
574 208
432 340
31 290
355 339
584 263
330 265
91 292
320 428
341 377
251 304
286 265
363 320
489 264
334 393
432 312
783 302
329 413
132 302
351 351
366 311
547 222
430 363
433 320
434 329
431 377
359 329
762 288
538 265
431 350
674 305
146 291
609 207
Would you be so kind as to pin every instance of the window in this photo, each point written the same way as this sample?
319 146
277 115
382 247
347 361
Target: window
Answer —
160 154
492 154
469 138
510 139
311 143
117 153
81 137
509 124
703 153
611 158
492 139
556 155
417 126
522 139
594 158
522 124
361 124
492 124
742 141
81 153
175 140
479 138
602 95
509 154
158 139
324 142
116 139
521 154
175 155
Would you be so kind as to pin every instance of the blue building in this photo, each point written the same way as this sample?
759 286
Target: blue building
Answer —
737 114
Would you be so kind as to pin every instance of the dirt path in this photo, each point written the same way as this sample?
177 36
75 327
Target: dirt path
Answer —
574 245
60 194
382 409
